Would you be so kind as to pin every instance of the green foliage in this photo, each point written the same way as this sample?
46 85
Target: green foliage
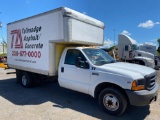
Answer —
158 53
158 50
3 54
5 46
111 48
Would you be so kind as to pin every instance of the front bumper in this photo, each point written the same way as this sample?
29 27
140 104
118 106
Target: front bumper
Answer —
142 97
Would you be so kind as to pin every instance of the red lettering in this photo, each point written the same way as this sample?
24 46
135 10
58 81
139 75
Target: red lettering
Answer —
39 54
32 54
29 54
16 39
22 53
35 53
14 53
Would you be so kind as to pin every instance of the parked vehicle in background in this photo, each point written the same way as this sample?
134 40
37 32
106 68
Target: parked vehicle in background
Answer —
57 43
128 50
148 48
151 49
3 61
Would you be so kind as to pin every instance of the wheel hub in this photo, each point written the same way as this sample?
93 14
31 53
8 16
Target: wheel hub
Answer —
111 102
24 80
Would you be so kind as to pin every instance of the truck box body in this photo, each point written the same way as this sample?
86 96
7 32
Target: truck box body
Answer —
148 48
35 44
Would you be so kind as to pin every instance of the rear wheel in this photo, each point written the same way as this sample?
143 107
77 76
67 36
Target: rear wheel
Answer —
113 101
26 79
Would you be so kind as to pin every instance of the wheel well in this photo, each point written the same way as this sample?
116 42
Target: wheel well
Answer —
140 61
19 73
102 86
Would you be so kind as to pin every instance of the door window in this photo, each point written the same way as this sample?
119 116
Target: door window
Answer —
72 55
126 48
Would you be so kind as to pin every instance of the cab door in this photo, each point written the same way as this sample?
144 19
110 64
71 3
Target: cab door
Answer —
72 77
127 52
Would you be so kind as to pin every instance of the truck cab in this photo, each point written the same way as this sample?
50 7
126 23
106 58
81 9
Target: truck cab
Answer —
128 50
114 84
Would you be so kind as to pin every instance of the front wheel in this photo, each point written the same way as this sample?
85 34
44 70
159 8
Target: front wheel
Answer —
112 101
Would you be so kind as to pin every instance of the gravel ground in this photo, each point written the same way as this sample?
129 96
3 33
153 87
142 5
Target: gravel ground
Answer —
48 101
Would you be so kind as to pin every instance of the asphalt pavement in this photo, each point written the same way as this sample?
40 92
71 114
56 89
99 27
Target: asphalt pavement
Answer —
49 101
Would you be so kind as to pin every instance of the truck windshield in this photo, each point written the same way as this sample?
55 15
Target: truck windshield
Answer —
135 47
98 56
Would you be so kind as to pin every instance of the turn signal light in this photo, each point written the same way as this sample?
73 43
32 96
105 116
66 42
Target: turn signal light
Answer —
137 87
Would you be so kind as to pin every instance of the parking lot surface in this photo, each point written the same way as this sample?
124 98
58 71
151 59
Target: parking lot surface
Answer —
48 101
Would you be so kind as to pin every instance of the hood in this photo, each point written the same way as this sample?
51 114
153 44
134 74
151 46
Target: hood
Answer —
133 71
143 54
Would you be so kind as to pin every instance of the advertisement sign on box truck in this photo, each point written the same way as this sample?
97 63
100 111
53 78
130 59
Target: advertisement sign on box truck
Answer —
58 43
29 46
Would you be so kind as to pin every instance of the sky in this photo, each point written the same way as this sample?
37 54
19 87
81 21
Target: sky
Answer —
140 19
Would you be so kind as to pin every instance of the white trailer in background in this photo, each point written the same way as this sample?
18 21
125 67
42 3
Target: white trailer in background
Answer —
148 48
128 50
52 43
151 49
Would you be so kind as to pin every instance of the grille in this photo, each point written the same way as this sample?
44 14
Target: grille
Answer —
150 81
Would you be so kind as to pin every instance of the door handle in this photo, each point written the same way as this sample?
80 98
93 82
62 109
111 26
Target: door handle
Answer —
62 69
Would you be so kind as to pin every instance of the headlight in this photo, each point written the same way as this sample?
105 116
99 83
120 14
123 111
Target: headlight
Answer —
150 61
138 85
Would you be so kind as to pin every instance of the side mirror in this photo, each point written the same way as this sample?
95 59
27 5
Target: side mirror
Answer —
129 48
81 64
78 59
86 65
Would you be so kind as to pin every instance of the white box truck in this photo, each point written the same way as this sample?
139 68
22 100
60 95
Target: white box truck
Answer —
52 43
128 51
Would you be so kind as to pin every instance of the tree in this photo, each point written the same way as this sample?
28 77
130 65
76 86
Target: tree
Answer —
159 45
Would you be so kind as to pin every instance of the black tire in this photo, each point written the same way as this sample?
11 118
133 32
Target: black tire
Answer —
18 76
26 79
137 62
113 101
141 63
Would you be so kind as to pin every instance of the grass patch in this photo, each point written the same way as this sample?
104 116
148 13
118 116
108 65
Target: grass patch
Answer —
3 54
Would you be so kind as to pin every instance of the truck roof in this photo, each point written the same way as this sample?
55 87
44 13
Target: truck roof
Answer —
80 48
69 13
125 39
